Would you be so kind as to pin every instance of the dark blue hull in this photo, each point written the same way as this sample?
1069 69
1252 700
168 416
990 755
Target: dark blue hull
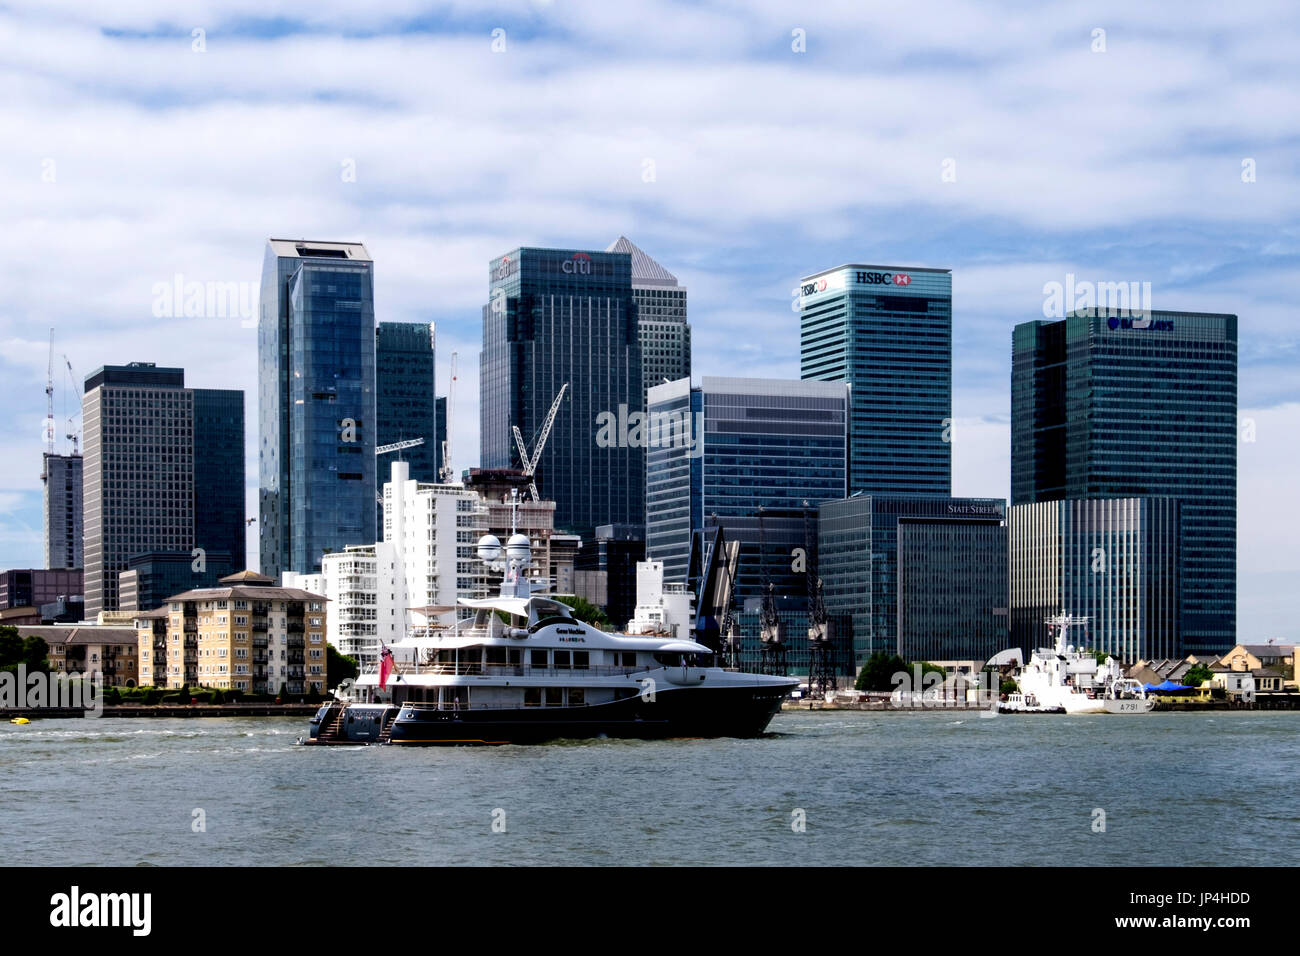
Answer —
695 712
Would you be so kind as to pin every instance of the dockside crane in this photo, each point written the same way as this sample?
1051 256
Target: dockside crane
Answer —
445 472
771 629
530 462
821 630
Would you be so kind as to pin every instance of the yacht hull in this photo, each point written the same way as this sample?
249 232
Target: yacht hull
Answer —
694 712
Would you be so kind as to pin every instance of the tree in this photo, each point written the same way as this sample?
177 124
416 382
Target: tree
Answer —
183 695
15 650
340 667
1197 675
584 610
879 670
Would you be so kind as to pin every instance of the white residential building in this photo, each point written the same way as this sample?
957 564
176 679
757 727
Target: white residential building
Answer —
427 560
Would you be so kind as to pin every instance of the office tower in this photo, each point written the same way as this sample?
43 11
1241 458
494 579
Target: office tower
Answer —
219 476
1104 405
719 452
558 316
922 577
152 577
245 634
156 475
35 587
662 329
316 408
887 331
613 554
61 480
1112 560
405 404
138 477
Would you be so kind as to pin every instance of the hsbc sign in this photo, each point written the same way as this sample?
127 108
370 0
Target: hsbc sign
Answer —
882 278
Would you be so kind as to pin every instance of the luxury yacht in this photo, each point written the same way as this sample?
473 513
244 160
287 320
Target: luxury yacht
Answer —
522 669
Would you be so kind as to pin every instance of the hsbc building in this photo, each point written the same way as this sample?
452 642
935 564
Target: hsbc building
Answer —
887 331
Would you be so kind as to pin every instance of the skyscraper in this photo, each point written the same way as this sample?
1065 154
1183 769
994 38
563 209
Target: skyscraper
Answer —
887 331
141 487
405 404
1104 405
662 330
559 316
63 524
719 452
316 408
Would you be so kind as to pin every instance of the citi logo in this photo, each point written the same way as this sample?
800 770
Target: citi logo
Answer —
883 278
580 265
504 268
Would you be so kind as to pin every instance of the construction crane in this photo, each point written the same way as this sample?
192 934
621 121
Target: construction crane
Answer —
398 446
530 463
771 629
71 434
49 400
821 654
445 472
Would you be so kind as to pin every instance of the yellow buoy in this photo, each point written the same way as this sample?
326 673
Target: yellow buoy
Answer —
20 720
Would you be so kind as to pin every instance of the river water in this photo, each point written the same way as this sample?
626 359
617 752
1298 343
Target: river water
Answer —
821 788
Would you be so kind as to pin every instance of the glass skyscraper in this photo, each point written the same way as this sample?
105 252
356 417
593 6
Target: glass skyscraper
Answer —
1105 405
662 329
557 316
219 475
887 331
405 404
922 577
316 381
719 452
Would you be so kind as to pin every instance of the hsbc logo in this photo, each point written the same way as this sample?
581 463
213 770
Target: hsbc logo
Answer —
579 265
810 288
882 278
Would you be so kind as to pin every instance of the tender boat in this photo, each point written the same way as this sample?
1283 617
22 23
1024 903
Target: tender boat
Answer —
522 669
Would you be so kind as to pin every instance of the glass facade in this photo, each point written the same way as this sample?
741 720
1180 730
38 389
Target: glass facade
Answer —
720 452
1106 406
61 497
316 379
557 316
1114 561
662 330
219 476
405 404
887 331
939 561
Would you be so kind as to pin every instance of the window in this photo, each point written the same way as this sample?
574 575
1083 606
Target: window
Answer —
539 659
561 659
555 697
581 660
577 697
532 697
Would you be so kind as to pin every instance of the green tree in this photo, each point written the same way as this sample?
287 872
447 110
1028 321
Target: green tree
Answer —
879 670
584 610
339 667
15 650
183 695
1197 675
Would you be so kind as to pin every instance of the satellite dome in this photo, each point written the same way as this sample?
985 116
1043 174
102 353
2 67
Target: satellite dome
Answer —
518 547
489 548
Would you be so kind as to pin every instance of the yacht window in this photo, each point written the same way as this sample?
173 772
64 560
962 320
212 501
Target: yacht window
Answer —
532 697
496 655
668 660
515 655
539 659
555 697
561 659
577 697
581 659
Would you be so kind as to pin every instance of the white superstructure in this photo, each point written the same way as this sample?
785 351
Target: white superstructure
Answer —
1069 678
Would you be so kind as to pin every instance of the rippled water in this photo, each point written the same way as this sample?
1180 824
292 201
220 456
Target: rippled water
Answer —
919 788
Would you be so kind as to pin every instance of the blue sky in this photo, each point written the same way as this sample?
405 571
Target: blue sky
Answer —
697 131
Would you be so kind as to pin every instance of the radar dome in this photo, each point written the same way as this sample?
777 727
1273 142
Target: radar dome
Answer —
489 548
518 548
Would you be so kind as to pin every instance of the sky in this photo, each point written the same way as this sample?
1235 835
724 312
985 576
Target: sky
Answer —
743 145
